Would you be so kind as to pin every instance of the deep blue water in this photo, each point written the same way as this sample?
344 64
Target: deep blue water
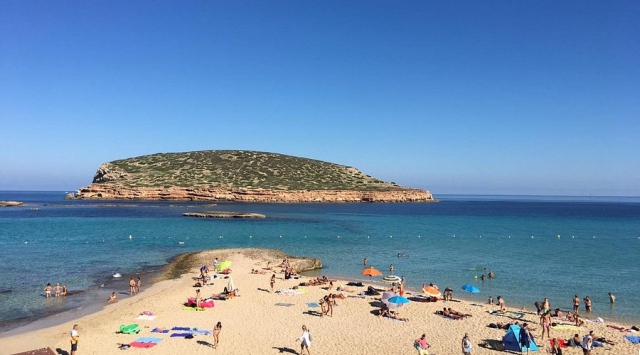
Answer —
81 244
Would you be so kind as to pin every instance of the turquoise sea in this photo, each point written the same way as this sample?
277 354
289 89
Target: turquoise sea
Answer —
82 243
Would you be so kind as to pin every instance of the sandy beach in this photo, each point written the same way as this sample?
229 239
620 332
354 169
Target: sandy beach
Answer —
260 322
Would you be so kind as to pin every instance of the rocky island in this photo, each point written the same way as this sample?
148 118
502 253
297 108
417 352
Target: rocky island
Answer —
223 215
241 176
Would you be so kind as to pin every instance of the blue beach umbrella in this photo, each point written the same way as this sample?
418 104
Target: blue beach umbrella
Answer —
470 288
398 300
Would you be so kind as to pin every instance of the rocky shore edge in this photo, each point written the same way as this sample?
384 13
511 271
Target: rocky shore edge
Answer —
114 192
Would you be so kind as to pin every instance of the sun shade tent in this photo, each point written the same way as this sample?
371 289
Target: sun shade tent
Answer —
511 340
385 299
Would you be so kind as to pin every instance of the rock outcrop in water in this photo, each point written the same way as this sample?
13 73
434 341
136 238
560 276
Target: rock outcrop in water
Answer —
243 176
223 215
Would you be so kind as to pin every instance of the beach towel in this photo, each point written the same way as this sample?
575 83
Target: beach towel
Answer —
129 329
632 338
148 340
284 304
180 328
196 331
194 309
145 317
560 341
313 305
394 320
143 345
567 327
160 330
180 335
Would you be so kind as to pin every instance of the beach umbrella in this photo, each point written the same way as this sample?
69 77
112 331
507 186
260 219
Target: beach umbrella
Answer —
224 265
371 272
398 300
231 286
385 299
391 279
431 291
470 288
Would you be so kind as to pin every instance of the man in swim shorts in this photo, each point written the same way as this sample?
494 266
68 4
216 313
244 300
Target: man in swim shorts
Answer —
525 338
576 304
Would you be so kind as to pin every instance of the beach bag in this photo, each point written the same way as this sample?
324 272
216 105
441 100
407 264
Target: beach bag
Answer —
309 336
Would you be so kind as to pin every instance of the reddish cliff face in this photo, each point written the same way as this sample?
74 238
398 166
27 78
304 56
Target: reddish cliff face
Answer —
114 192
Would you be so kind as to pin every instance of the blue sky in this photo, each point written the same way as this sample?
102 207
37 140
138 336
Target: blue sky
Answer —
500 97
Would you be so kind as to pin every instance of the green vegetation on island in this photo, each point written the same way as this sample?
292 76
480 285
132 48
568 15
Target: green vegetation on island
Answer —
236 169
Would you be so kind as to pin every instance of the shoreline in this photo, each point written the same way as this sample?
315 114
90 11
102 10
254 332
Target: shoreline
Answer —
342 333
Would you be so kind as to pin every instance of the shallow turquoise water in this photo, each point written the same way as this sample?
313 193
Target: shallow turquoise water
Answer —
83 244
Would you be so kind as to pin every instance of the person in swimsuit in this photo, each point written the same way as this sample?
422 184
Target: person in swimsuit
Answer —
132 287
576 304
421 344
482 278
501 304
216 334
198 299
612 298
64 290
365 261
491 274
545 306
272 282
555 348
490 302
58 289
47 290
466 344
545 321
112 298
587 304
391 269
138 285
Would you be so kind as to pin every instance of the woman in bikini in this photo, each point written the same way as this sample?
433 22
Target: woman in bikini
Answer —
47 290
216 334
273 281
198 299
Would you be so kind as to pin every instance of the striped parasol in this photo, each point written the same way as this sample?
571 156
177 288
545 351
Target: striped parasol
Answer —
391 279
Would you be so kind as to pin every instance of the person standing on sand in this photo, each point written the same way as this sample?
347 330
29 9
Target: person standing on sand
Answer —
74 339
305 340
612 298
273 281
466 344
138 285
422 345
587 343
132 287
525 338
545 321
216 334
501 304
576 304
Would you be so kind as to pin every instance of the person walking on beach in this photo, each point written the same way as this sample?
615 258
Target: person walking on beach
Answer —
138 285
587 304
466 344
421 344
47 290
216 334
132 287
525 338
545 321
576 304
612 298
587 343
74 339
272 282
305 340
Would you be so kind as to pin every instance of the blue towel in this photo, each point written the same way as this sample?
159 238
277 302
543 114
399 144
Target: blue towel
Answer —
313 305
148 340
633 339
181 328
164 331
180 335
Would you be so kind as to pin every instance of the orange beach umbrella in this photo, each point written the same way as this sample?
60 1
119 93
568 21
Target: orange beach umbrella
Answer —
431 291
371 272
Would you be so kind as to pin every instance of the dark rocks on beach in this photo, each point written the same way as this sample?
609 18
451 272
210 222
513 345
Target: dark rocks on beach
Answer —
223 215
